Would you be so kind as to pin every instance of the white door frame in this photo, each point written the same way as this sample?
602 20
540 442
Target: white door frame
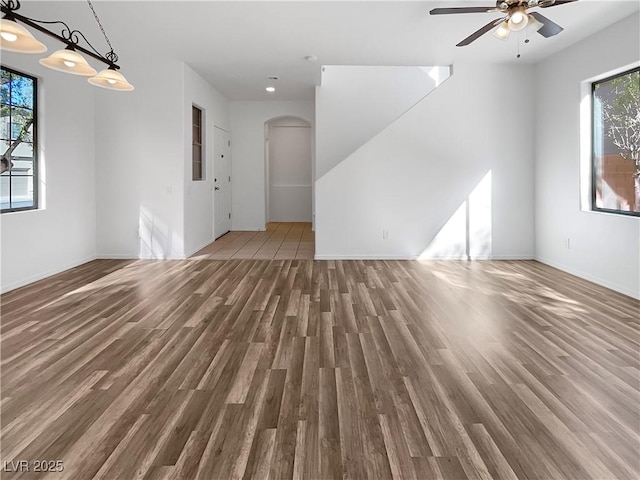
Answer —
221 150
267 183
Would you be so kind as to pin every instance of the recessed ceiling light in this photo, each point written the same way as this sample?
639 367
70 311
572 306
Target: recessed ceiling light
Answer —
270 89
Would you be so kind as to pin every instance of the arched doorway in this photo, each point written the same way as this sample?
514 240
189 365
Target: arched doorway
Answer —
288 170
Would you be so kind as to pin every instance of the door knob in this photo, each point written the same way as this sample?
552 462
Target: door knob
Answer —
217 188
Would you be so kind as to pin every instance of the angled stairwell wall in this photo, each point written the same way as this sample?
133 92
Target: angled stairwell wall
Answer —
451 178
355 103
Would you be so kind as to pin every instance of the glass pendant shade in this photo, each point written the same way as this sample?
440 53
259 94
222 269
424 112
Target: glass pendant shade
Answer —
518 20
68 61
16 38
111 79
503 31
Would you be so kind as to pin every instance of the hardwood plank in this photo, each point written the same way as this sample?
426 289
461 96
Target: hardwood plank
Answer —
329 429
291 368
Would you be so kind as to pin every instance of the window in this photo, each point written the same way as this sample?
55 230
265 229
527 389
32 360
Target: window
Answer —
197 166
616 143
18 142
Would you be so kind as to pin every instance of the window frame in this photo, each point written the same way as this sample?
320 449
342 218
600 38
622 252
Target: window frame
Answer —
35 143
594 206
199 144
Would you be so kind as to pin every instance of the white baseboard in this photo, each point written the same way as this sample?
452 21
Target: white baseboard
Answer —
591 278
446 257
511 257
116 256
160 259
48 273
364 257
416 257
199 248
247 228
121 256
482 258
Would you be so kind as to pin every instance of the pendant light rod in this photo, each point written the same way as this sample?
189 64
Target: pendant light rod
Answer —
69 37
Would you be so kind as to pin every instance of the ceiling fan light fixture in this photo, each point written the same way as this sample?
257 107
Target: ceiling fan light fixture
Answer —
518 20
534 24
516 16
502 32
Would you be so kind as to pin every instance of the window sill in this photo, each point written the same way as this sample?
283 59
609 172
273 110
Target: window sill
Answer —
614 214
22 211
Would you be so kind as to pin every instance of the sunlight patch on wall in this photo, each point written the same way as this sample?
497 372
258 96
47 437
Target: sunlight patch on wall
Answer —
154 234
438 74
451 240
480 234
468 232
585 146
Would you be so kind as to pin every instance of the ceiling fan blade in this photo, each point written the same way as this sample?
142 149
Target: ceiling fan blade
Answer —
478 33
557 2
446 11
549 28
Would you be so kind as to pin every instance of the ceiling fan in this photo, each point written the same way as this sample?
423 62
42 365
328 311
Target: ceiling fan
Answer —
516 18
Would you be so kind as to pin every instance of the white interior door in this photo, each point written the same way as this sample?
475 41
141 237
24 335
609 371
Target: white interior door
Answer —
222 183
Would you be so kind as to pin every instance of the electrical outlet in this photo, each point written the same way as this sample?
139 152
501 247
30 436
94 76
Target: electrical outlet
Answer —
385 234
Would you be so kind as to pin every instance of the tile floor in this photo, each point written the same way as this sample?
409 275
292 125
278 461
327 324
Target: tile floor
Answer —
281 241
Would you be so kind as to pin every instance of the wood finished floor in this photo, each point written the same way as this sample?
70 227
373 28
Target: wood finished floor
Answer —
318 370
280 241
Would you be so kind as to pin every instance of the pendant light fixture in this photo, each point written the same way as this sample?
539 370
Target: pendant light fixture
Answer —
111 79
16 38
68 61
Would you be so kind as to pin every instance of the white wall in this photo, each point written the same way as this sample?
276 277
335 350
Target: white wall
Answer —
604 248
39 243
355 103
247 121
289 175
413 177
198 202
140 162
118 180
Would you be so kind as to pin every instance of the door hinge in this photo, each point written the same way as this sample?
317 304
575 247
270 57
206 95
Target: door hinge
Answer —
229 215
229 178
229 142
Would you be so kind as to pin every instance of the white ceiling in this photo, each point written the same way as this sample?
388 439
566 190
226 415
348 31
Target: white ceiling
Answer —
236 45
